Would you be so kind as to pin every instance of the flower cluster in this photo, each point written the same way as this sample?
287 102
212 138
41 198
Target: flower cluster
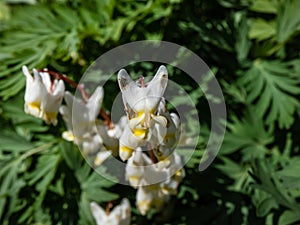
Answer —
92 136
145 138
155 182
157 171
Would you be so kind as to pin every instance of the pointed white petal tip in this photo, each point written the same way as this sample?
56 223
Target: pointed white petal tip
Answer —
125 152
93 205
25 71
122 73
24 68
162 70
123 79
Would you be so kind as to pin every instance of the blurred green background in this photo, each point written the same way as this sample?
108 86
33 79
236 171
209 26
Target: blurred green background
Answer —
251 45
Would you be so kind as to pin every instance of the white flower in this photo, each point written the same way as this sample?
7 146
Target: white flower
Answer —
120 215
175 175
101 156
155 182
135 167
90 143
128 143
42 96
148 197
80 117
170 136
110 141
142 100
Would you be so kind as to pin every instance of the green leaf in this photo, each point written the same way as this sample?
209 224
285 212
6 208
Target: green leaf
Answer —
12 142
10 186
265 206
94 188
264 6
292 169
243 43
237 172
262 29
271 86
71 155
45 170
288 20
289 217
249 135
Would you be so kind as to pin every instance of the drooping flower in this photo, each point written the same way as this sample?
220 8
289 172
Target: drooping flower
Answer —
170 137
110 140
79 116
148 197
97 140
43 97
155 182
140 99
141 102
120 215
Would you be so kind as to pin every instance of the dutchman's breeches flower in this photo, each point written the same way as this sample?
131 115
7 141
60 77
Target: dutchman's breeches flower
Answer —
79 116
141 101
149 125
43 97
95 138
120 215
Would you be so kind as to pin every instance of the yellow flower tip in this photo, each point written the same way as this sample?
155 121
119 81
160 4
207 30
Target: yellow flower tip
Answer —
134 181
101 157
68 136
50 117
33 108
125 152
178 173
161 157
169 191
140 132
34 105
144 206
140 113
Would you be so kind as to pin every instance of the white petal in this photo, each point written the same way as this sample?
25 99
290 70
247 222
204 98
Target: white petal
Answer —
27 74
156 88
114 217
69 98
59 88
68 135
46 80
124 80
101 157
126 212
159 82
130 90
135 169
94 103
175 118
143 200
98 213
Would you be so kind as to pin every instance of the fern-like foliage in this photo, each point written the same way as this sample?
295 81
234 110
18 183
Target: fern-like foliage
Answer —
272 87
